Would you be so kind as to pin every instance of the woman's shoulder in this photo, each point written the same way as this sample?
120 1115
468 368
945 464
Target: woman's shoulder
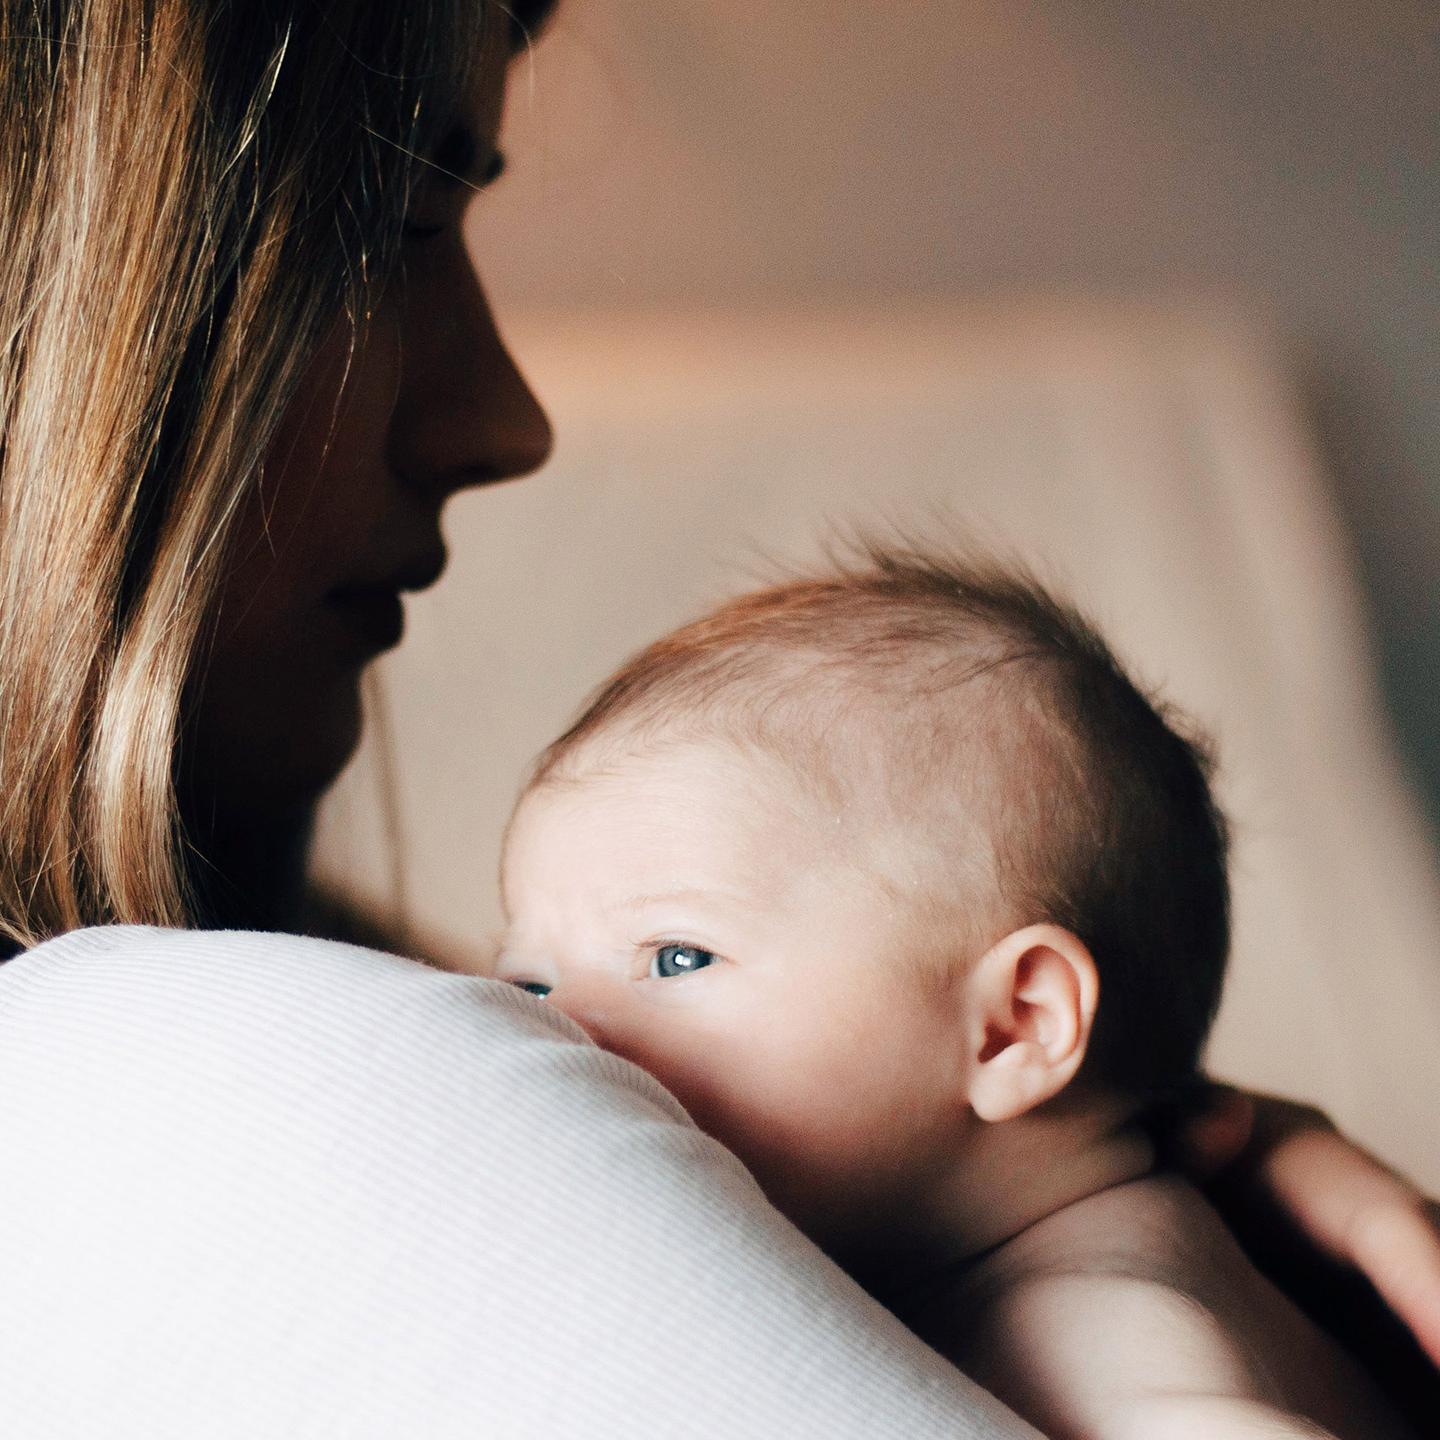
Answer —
251 1180
200 958
138 940
288 1014
127 973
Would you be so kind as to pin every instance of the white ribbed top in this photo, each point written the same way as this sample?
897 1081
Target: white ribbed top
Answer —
265 1187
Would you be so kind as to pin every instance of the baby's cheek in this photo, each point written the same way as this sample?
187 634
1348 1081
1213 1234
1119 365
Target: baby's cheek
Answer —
679 1061
807 1113
789 1116
702 1067
792 1106
653 1042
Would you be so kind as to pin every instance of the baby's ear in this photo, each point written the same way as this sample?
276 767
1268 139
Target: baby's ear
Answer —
1031 1004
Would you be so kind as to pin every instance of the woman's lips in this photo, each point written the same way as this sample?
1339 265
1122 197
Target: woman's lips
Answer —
373 614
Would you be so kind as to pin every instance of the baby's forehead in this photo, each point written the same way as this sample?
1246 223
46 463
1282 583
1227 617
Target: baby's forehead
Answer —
743 805
761 830
698 822
707 778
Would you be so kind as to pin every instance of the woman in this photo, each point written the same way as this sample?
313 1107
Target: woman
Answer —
268 1186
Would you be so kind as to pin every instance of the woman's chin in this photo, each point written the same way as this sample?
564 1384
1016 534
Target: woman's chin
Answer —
274 756
317 757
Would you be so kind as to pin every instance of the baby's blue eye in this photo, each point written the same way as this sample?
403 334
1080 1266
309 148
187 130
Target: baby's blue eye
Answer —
671 960
534 987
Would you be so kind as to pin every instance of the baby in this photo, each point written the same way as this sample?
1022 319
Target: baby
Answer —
916 902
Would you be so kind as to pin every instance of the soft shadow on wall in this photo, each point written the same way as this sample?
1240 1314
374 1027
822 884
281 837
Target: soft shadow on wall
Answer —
729 153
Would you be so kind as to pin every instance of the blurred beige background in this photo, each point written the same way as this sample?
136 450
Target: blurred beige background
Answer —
1149 297
1286 154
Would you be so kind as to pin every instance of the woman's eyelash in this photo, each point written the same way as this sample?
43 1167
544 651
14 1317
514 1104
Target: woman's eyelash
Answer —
454 169
447 179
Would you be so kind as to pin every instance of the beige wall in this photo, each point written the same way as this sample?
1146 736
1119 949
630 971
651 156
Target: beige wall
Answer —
722 152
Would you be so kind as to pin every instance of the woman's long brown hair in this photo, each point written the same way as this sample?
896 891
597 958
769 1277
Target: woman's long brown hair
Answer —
190 192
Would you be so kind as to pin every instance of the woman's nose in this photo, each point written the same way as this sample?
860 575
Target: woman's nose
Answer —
465 414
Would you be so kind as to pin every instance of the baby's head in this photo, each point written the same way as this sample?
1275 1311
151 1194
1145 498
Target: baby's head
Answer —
847 862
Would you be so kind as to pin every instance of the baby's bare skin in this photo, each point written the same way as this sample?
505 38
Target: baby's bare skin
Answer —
1133 1315
707 918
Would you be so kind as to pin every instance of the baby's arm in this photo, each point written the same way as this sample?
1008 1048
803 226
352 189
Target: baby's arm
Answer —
1099 1357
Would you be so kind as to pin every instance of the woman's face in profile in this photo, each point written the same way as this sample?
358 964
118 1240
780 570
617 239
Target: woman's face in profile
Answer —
345 518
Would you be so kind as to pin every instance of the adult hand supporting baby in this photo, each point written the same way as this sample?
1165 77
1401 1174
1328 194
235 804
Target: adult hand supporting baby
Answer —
1354 1243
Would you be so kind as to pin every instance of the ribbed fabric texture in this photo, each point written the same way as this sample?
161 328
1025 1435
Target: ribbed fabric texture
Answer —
264 1187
